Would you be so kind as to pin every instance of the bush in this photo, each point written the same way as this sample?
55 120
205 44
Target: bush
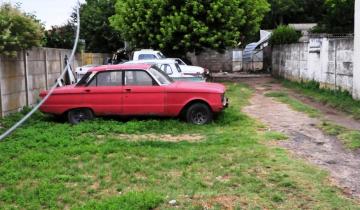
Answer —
284 35
18 30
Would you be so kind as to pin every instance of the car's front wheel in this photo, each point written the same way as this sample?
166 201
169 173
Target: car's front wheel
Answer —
199 114
76 116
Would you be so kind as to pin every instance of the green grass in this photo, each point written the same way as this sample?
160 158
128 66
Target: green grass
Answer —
273 135
341 100
294 103
350 138
53 165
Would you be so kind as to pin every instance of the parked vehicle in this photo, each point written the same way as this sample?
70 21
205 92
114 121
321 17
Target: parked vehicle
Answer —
149 54
135 89
82 70
192 70
171 68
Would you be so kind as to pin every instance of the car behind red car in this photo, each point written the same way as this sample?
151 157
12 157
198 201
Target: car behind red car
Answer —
135 89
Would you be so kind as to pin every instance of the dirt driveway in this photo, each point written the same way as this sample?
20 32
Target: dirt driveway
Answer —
305 139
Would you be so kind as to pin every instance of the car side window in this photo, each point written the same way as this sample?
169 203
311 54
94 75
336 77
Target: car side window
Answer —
138 78
146 56
109 78
167 69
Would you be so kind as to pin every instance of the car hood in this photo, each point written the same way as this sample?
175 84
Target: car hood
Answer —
181 86
192 69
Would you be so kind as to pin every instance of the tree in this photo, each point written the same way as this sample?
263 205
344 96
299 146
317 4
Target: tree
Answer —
339 17
284 35
60 36
177 27
95 26
18 30
293 11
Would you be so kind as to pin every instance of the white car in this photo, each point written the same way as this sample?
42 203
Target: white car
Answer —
191 70
82 70
149 54
171 68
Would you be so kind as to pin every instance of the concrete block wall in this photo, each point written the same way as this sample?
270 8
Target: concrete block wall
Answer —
327 61
24 76
215 61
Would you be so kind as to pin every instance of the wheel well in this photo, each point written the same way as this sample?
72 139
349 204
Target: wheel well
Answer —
183 110
67 111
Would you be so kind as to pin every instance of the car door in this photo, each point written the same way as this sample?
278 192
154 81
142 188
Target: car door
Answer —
142 94
104 93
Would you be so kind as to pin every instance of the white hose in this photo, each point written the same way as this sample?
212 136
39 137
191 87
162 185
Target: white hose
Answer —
28 115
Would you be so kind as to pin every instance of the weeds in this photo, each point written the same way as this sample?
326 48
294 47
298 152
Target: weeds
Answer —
48 164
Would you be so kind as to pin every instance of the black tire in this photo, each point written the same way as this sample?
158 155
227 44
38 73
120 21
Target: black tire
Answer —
76 116
199 114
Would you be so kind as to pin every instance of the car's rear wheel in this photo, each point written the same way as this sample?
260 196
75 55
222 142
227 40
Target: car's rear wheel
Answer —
76 116
199 114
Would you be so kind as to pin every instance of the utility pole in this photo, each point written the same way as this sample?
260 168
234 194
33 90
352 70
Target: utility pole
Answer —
356 59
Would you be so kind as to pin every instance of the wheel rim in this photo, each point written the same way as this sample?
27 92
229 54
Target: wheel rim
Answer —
199 117
79 116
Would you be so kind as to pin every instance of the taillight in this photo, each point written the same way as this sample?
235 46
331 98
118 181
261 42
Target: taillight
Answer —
43 94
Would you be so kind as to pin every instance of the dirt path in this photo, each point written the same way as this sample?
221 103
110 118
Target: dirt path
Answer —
306 140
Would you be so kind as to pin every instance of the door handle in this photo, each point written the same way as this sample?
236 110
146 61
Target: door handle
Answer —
128 90
87 90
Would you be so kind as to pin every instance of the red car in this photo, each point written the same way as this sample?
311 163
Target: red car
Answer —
135 89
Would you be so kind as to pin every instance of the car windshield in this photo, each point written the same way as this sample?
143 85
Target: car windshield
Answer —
86 78
161 55
178 67
160 76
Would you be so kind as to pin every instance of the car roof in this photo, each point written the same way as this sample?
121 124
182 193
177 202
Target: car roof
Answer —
121 67
155 61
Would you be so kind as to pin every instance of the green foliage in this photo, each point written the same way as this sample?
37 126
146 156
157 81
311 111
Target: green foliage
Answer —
60 36
18 30
177 27
293 11
284 35
129 201
95 26
338 17
350 138
273 135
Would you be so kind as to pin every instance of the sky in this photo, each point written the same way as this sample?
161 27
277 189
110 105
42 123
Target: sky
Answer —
50 12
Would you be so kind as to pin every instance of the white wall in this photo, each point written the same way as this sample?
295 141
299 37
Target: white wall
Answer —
356 87
327 61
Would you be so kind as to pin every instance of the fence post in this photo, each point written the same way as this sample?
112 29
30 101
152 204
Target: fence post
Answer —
60 60
356 58
26 73
46 70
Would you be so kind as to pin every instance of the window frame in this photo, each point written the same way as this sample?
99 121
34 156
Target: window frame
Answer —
109 71
155 82
165 64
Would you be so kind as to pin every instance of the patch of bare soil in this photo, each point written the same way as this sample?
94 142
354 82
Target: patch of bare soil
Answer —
161 137
224 201
305 139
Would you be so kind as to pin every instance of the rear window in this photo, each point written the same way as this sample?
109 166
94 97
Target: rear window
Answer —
147 57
